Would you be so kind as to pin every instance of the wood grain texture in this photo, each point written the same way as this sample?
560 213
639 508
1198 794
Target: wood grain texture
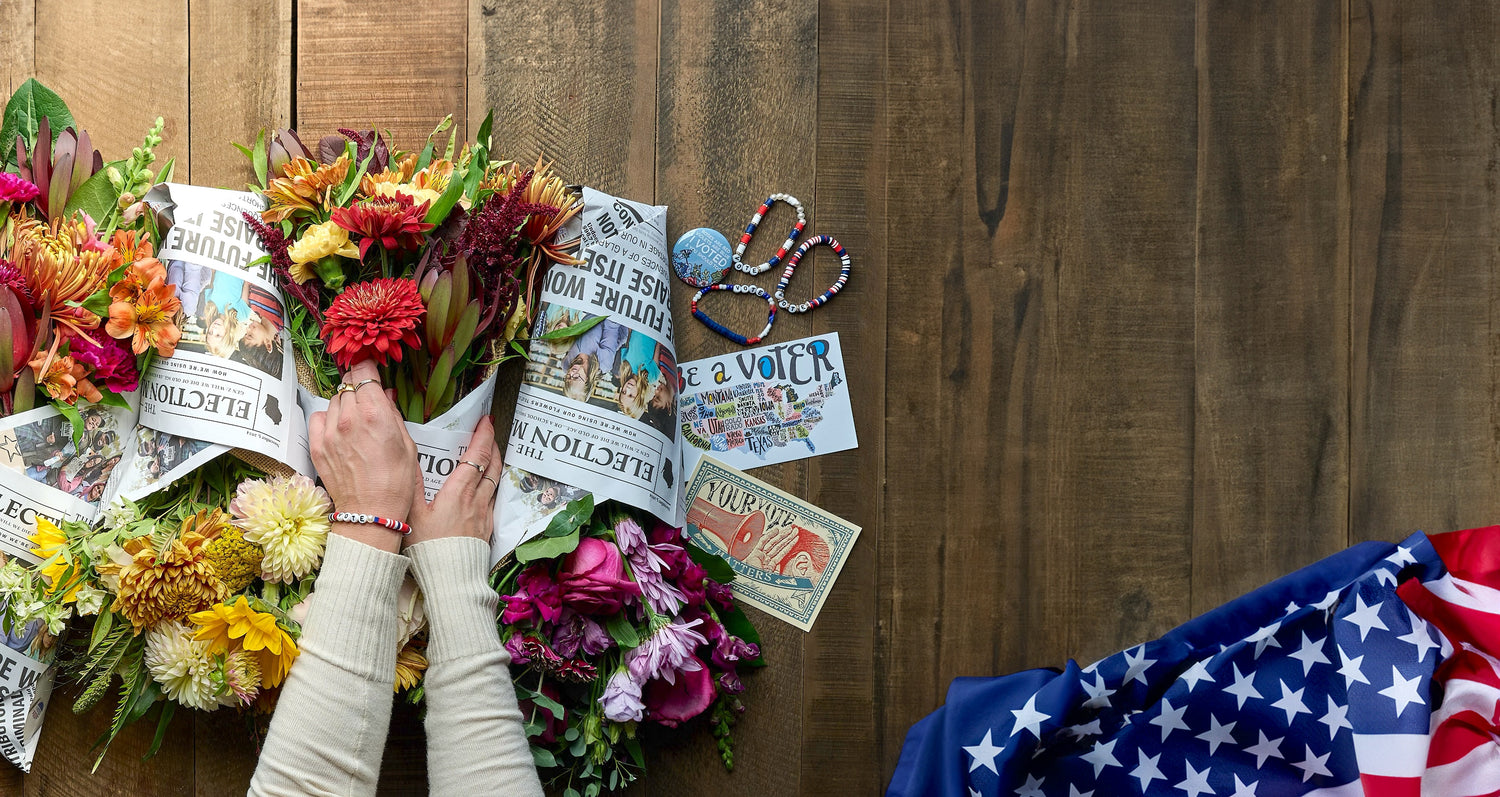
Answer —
116 84
386 64
66 753
736 122
1425 431
578 88
240 83
17 43
842 654
1270 481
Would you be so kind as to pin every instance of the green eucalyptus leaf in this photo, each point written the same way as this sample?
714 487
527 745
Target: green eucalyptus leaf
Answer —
23 116
546 547
573 516
542 757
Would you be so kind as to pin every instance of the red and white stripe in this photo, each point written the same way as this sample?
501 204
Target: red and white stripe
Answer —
1463 755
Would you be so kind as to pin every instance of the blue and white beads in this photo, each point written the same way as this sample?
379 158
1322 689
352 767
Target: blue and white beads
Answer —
796 259
726 331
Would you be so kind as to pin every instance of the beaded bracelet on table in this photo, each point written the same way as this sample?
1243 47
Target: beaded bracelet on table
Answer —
791 238
727 332
796 259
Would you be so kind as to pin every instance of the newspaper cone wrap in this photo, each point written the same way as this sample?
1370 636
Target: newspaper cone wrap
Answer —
597 410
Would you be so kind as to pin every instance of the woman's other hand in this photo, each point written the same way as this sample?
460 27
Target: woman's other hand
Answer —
365 457
465 506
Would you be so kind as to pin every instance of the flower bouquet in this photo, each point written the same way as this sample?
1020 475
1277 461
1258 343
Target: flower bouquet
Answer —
611 625
425 262
196 594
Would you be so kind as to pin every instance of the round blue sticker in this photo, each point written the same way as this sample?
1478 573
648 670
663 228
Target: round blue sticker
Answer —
701 257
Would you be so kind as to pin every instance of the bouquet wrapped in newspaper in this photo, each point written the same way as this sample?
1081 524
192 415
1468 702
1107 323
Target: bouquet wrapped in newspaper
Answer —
84 307
614 618
425 262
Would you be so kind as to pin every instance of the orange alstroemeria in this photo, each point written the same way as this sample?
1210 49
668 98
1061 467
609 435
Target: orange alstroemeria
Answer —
63 378
140 276
150 320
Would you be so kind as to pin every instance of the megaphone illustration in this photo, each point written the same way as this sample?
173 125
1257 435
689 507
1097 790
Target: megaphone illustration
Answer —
738 533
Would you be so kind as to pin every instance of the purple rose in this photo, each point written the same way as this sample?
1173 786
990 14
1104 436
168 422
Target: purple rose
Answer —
593 578
576 633
672 704
112 364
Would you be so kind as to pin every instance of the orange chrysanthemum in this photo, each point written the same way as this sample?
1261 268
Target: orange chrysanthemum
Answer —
169 584
373 321
304 187
62 265
541 228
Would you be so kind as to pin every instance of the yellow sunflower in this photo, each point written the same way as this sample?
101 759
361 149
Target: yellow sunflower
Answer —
238 626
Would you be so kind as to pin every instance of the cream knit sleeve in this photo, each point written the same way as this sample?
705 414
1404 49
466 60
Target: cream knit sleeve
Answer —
329 730
475 740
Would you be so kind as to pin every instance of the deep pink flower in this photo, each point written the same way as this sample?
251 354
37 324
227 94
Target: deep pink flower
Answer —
691 583
672 704
730 650
537 595
112 365
719 594
14 188
662 533
593 578
730 682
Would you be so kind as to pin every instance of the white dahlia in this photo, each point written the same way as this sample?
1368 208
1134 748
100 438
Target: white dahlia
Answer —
287 517
182 665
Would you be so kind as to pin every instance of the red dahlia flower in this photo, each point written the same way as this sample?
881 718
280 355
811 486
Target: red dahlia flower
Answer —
373 321
394 221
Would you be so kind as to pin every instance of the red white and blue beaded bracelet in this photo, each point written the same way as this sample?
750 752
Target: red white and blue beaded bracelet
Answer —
726 331
355 517
796 259
791 238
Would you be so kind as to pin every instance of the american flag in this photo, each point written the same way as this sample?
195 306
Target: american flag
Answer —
1371 672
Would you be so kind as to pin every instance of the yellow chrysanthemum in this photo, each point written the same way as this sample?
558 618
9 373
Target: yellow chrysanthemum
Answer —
50 541
410 664
236 560
227 628
288 518
318 242
169 584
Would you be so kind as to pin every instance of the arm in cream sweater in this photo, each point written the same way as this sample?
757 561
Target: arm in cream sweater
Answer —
475 739
331 720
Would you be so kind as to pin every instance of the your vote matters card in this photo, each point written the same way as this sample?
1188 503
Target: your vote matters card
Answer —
786 553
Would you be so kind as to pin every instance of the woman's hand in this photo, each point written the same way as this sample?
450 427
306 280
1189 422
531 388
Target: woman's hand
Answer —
365 457
465 506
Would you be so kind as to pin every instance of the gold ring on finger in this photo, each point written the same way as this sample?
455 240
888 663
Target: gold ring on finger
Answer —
476 465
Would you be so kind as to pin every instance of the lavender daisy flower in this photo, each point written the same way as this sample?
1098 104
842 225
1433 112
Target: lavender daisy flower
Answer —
666 653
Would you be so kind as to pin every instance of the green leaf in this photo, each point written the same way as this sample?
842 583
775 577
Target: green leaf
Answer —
571 517
623 632
425 158
633 746
548 703
258 157
737 624
95 197
98 303
713 564
71 413
542 757
574 330
546 547
445 202
23 115
109 399
165 175
351 183
483 138
102 625
168 708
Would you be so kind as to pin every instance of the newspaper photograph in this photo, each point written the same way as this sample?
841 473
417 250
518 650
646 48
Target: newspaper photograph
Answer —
232 380
596 409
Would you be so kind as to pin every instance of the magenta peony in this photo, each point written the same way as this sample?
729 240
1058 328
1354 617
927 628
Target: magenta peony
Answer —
112 365
593 578
672 704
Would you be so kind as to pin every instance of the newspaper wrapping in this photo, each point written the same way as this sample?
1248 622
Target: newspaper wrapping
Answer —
596 413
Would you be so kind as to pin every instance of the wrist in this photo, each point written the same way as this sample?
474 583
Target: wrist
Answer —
371 535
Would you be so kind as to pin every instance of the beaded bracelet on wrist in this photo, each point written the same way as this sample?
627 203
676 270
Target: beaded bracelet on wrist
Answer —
725 331
791 238
356 517
796 259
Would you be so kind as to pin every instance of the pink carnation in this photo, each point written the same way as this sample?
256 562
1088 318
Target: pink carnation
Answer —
112 364
14 188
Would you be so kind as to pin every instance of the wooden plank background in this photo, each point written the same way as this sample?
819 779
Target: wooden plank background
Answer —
1153 300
